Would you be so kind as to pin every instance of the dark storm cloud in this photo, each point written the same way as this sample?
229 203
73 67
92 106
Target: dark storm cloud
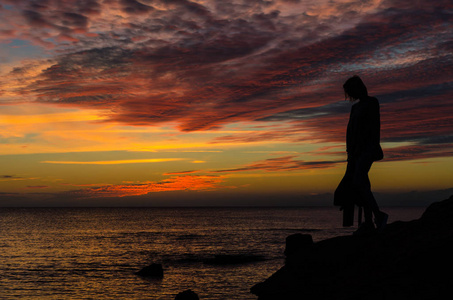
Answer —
414 152
35 18
285 163
73 19
135 7
205 65
76 6
417 91
189 6
80 78
426 111
309 112
88 7
58 20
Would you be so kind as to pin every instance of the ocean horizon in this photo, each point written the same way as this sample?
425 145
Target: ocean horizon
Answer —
93 253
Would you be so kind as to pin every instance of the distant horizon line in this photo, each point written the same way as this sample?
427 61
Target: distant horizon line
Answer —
209 206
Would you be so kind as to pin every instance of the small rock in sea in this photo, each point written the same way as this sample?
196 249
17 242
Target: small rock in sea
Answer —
187 295
153 270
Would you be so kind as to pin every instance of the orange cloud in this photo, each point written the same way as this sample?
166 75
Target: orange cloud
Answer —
182 172
112 162
37 186
175 183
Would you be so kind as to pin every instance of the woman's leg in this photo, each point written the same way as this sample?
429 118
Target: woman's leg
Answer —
362 184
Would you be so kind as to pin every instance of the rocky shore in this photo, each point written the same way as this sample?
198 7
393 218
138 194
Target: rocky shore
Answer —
407 260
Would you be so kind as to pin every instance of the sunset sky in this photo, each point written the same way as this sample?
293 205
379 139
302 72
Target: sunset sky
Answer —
234 102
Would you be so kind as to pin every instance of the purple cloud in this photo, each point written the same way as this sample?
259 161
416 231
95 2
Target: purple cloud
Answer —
206 65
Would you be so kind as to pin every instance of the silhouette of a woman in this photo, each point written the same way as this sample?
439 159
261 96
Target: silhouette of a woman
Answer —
363 148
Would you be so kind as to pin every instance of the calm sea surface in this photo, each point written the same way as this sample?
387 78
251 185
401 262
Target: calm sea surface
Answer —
92 253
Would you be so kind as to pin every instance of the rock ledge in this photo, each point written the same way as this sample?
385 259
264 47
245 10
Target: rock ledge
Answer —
408 260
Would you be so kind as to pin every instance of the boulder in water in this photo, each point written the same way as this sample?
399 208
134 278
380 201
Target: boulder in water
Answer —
187 295
153 270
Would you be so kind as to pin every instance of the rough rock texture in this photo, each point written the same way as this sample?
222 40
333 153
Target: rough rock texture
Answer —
408 260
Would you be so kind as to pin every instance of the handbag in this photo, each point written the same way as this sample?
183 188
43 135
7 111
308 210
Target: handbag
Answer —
347 198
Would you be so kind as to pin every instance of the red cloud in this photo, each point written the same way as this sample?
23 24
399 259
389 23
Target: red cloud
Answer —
175 183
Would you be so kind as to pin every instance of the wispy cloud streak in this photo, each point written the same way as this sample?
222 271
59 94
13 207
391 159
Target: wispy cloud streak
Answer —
284 163
112 162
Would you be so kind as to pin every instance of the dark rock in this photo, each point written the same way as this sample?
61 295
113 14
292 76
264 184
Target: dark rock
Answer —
298 244
153 270
408 260
187 295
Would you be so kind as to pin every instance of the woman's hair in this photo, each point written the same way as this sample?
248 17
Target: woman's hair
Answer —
354 88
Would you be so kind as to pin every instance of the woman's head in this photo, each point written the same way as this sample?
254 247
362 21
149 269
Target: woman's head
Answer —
354 88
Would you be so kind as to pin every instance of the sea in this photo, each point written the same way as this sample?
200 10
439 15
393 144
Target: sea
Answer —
93 253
